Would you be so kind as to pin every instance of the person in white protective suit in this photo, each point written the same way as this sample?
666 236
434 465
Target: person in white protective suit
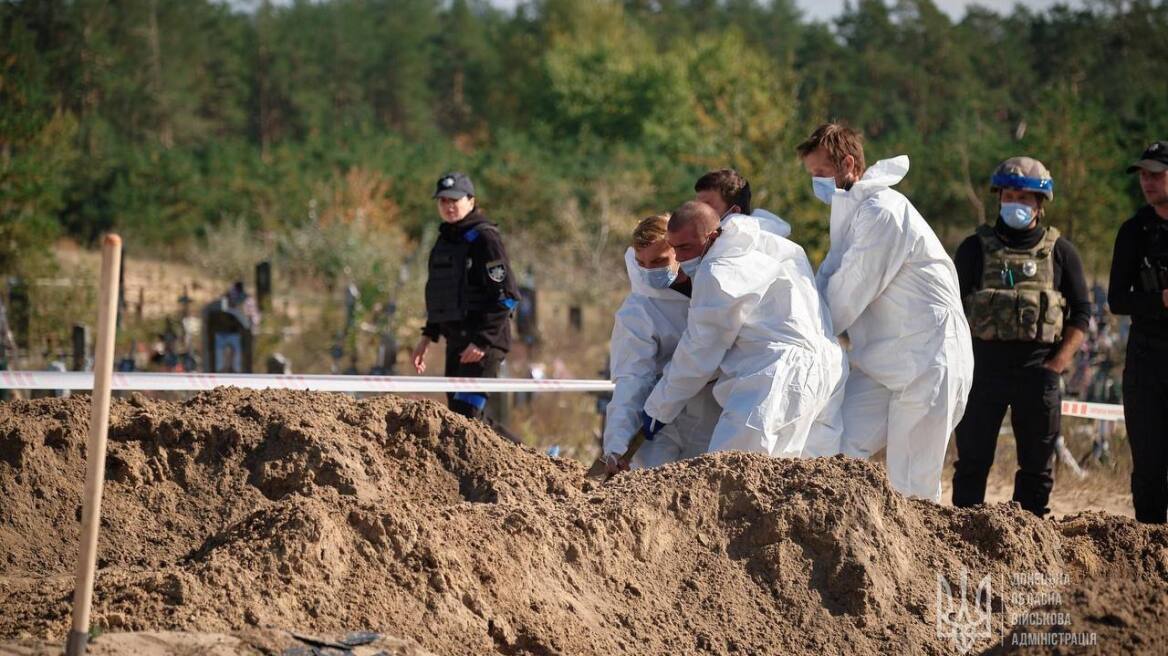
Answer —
756 323
646 330
729 193
893 290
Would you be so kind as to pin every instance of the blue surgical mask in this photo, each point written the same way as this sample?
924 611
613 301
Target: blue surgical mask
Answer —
660 278
1017 215
824 188
690 266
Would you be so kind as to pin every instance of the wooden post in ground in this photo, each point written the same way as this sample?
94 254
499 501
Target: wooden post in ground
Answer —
103 365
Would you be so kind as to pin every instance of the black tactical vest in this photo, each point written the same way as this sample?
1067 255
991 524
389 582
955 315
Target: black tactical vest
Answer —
450 293
1018 300
1154 264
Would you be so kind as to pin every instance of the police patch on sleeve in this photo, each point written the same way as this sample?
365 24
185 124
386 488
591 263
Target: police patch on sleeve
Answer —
496 270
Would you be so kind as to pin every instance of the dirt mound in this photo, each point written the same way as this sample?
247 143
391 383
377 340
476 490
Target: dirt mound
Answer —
249 641
325 514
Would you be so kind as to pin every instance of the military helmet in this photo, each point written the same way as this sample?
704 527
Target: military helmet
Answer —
1025 173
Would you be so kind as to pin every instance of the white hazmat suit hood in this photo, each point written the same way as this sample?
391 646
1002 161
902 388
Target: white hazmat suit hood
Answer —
757 324
771 221
890 285
645 332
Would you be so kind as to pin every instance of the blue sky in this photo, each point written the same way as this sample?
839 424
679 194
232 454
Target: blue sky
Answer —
826 9
815 9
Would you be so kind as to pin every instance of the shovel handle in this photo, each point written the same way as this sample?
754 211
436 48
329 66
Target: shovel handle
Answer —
599 468
103 366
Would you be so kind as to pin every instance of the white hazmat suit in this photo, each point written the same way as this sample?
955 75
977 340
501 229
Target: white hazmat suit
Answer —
757 324
893 289
646 331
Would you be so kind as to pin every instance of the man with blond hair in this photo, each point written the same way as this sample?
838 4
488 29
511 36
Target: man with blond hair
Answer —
892 289
646 331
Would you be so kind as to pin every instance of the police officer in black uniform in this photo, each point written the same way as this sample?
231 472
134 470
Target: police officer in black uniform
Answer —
1139 287
1026 300
470 293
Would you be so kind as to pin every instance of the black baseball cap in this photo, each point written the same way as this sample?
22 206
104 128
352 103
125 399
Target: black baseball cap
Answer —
1154 159
454 185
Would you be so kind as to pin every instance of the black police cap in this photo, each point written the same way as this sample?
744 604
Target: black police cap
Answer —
1154 159
454 185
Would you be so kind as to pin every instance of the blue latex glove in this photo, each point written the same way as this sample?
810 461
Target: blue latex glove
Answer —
650 426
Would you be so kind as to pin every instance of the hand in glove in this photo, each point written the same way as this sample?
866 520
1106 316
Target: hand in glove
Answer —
650 426
614 464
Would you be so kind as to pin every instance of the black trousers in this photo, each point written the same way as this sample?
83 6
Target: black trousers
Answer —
1145 410
1035 402
474 404
470 404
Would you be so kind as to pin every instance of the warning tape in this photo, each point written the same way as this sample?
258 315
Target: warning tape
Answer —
1107 411
78 380
183 382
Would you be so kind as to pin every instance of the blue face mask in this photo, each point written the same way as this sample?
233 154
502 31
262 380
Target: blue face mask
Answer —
1017 215
658 278
824 188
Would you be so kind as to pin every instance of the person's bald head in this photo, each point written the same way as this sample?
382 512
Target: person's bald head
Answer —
694 213
691 227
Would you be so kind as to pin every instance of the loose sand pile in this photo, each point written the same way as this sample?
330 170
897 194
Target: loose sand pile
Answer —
243 510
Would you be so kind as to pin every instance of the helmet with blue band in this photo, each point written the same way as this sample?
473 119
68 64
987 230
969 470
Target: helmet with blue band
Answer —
1025 174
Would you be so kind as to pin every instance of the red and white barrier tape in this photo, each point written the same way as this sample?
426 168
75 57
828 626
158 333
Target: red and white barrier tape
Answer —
76 380
1107 411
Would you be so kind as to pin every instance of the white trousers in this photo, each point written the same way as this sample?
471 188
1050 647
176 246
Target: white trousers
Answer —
913 423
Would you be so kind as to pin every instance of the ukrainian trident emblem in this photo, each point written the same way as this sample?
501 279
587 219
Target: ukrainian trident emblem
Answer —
963 620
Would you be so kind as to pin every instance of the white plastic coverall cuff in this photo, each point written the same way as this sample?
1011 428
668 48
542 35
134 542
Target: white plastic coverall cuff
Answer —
892 287
687 437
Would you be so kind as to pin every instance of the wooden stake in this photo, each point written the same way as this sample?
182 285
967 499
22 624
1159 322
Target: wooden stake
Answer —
103 366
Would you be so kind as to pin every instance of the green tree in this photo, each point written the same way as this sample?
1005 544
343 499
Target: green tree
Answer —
36 148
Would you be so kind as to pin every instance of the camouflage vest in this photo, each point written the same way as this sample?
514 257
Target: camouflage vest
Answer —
1017 300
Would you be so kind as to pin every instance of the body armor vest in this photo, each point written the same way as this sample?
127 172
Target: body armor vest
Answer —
449 292
1017 300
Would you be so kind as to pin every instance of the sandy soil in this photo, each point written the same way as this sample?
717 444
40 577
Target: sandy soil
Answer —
242 511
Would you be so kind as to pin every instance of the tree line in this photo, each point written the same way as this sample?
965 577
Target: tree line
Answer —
168 119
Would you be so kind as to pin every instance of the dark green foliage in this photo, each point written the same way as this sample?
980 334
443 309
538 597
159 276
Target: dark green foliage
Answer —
164 118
